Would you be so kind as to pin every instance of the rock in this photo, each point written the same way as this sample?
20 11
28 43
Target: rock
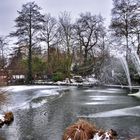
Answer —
8 117
1 123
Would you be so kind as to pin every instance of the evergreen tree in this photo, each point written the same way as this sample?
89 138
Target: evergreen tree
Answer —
28 24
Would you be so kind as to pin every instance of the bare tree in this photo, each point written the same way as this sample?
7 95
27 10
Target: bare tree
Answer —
66 30
135 25
67 38
123 18
28 24
49 32
88 28
3 44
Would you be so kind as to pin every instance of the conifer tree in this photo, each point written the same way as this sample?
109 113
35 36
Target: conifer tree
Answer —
28 24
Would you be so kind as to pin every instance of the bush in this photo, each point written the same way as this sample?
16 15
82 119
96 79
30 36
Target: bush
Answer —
58 76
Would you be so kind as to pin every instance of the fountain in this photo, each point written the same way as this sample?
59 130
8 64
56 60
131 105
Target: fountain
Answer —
136 61
126 69
116 71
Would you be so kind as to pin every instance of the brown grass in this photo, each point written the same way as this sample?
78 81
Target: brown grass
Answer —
81 130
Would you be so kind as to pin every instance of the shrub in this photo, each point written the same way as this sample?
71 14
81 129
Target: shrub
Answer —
58 76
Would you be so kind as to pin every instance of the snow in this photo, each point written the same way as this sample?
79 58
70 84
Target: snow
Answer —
22 88
2 117
137 94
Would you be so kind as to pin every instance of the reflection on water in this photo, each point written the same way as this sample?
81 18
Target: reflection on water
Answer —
43 112
3 98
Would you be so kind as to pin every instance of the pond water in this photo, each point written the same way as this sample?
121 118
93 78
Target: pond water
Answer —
43 112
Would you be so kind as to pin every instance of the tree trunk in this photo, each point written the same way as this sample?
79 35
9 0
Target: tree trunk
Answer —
85 56
3 62
48 51
29 76
138 49
127 47
126 36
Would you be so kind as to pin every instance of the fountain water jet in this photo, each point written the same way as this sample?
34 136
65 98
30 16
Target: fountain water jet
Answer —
112 72
136 61
126 69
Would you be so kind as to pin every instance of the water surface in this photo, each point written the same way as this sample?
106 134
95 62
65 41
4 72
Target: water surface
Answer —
43 112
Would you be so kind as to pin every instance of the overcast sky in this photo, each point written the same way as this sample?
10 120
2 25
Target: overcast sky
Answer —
8 10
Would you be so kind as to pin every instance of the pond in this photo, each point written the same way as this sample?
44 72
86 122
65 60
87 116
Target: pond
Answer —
43 112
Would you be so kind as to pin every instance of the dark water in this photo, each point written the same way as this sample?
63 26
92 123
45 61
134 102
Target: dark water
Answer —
43 112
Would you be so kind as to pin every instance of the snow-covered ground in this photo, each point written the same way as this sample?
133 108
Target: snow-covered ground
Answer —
25 87
137 94
23 97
